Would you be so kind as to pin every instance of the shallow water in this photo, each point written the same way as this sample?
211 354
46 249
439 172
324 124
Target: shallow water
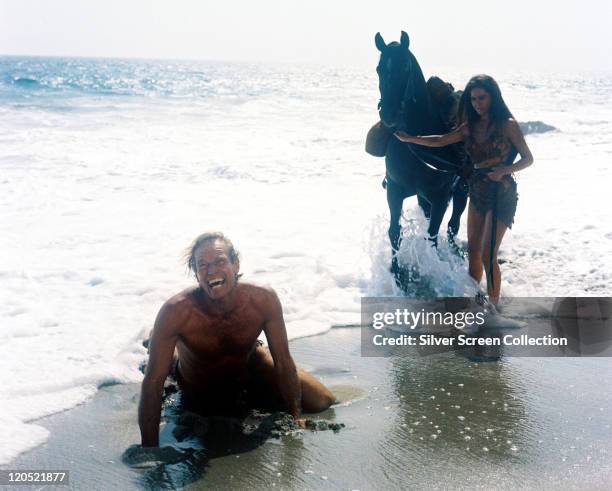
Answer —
111 167
441 421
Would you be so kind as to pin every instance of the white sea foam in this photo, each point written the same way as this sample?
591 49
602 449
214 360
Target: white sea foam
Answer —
103 186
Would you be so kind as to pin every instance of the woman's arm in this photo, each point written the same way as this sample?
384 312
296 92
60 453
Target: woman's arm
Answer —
454 136
515 135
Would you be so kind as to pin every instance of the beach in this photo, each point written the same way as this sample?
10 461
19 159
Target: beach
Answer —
436 421
112 166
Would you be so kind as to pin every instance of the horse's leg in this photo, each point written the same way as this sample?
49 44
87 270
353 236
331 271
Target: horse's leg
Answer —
438 207
395 199
425 206
460 196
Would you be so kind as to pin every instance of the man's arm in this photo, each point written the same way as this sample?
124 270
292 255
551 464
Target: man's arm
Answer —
161 349
284 367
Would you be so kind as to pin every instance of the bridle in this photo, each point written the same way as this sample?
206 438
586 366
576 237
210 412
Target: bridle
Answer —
409 95
421 154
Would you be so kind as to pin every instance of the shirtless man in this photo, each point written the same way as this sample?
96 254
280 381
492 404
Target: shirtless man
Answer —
219 363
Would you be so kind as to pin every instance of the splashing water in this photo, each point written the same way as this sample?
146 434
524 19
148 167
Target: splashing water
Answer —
433 272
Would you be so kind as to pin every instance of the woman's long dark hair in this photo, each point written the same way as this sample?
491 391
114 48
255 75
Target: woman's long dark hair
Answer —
498 113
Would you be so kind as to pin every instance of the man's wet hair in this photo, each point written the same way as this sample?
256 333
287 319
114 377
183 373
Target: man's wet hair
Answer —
200 240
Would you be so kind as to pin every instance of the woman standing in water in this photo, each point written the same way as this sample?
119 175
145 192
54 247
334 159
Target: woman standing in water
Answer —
492 139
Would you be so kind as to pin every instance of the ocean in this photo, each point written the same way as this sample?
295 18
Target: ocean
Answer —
111 167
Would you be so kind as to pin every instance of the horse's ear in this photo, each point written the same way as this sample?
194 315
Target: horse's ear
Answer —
380 42
404 40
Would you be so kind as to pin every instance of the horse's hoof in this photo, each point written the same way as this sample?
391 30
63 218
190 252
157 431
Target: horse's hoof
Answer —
454 247
397 272
394 269
401 281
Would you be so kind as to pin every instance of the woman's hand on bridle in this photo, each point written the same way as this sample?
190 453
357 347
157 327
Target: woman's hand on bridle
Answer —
403 137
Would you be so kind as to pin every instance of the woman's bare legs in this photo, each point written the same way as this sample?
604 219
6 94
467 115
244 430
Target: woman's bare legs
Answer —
494 290
475 229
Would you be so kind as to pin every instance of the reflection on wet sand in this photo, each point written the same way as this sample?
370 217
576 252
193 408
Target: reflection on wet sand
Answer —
189 442
413 422
446 403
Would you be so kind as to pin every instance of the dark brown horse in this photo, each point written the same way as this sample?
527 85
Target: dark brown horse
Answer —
430 174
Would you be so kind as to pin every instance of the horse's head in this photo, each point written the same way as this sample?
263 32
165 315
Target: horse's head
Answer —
396 73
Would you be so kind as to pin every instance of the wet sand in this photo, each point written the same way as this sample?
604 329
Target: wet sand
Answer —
438 421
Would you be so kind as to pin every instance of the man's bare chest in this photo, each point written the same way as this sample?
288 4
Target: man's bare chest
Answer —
233 335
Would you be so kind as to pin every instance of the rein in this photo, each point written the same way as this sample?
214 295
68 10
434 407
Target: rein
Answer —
421 154
433 158
408 90
495 185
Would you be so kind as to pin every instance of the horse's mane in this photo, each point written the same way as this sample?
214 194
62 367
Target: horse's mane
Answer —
419 117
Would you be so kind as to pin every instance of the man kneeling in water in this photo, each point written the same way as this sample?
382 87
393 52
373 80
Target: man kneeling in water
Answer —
219 364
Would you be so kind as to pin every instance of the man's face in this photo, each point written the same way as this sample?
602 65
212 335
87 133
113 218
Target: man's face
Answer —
215 273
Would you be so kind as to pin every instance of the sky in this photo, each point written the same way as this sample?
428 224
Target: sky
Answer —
470 34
